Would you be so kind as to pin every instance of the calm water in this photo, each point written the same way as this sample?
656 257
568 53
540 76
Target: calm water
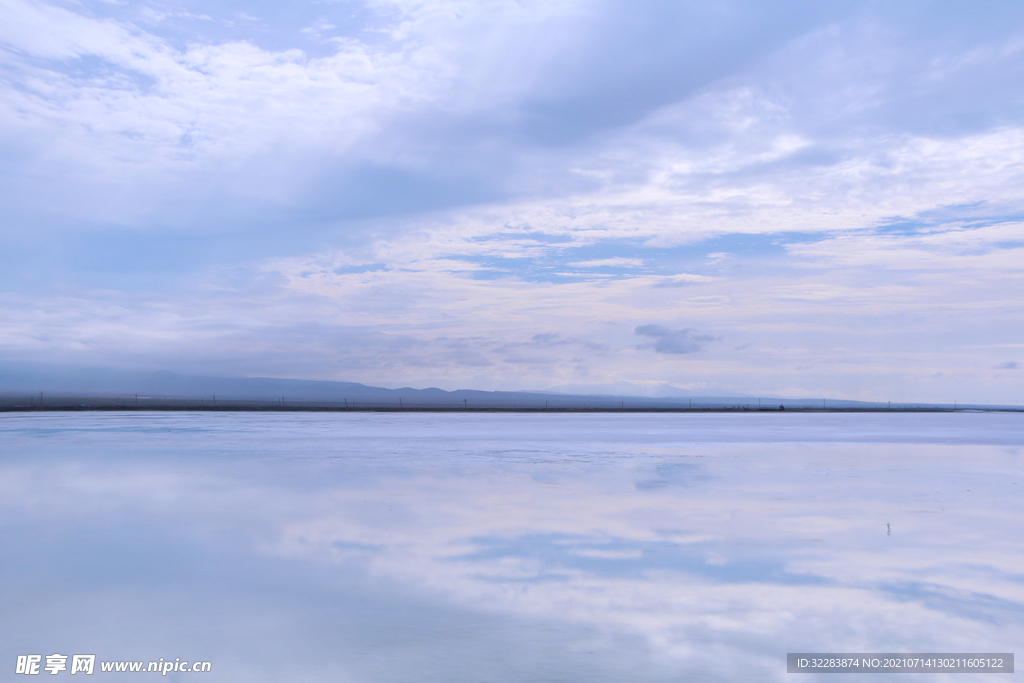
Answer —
469 547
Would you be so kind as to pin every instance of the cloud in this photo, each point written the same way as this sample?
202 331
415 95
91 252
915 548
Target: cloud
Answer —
195 193
318 27
674 341
617 262
1008 365
684 280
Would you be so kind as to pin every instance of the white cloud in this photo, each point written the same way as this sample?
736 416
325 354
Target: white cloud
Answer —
618 262
444 174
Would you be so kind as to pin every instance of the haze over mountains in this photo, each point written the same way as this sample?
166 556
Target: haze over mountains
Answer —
105 381
55 381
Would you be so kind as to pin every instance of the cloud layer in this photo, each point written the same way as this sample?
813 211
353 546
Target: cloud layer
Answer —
498 195
674 341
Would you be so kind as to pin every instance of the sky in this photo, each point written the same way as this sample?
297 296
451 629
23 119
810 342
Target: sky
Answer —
793 198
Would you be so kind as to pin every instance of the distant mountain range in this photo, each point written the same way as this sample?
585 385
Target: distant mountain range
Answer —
164 384
19 381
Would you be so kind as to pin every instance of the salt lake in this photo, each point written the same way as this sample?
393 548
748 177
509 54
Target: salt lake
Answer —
449 547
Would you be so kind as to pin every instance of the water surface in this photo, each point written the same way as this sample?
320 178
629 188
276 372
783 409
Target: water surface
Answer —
533 547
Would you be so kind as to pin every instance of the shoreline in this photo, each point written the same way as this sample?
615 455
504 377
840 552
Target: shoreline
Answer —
312 407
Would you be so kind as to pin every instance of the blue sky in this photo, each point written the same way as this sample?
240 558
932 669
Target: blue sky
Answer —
789 198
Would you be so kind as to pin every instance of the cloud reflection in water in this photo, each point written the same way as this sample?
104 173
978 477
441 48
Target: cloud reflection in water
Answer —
509 547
